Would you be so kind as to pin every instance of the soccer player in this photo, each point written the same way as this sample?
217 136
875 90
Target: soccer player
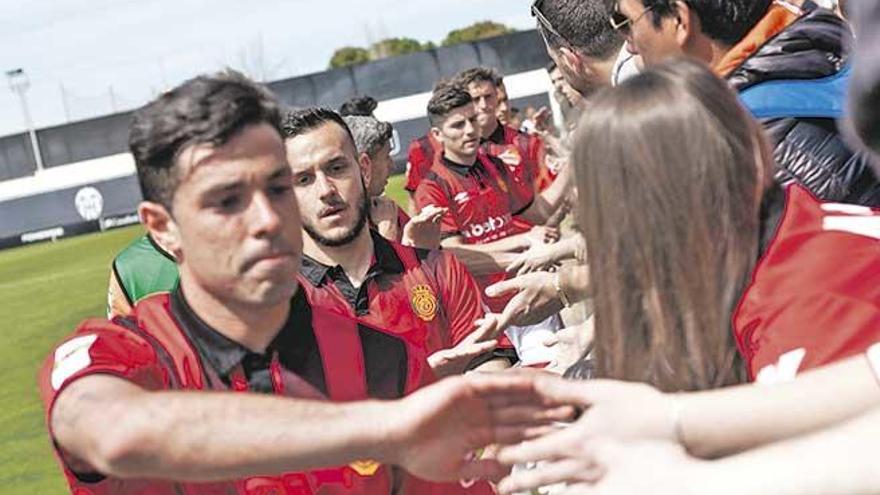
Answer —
373 141
127 401
476 190
523 154
428 297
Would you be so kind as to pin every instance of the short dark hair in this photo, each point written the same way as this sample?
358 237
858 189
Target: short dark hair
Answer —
209 109
446 99
300 121
725 21
583 25
359 105
479 74
370 134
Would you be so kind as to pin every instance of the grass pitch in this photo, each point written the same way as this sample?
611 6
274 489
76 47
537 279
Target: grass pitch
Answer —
45 291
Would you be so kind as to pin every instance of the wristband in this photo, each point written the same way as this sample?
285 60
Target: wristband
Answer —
560 292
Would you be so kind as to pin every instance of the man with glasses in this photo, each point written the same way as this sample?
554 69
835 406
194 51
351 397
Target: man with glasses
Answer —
800 49
582 43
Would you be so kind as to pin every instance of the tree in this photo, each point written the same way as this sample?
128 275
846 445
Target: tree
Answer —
393 47
349 55
476 31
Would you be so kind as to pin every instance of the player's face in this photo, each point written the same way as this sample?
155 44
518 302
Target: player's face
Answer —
460 134
327 182
502 111
485 98
235 218
381 169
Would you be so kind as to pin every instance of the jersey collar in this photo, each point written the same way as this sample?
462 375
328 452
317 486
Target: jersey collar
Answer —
385 260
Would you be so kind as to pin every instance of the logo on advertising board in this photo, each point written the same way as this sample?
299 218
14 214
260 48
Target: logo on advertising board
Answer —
89 203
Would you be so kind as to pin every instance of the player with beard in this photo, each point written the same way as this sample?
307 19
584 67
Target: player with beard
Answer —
428 297
373 140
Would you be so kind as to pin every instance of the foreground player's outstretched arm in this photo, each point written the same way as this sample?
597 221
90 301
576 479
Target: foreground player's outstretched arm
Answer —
111 426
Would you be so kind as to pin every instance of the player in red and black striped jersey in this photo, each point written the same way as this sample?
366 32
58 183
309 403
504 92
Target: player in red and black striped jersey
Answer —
523 154
422 153
124 398
428 296
477 190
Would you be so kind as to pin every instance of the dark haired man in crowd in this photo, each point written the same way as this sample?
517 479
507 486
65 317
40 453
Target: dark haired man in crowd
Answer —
801 51
476 190
127 401
582 43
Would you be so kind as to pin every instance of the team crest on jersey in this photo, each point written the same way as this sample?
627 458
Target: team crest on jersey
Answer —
424 302
365 468
510 157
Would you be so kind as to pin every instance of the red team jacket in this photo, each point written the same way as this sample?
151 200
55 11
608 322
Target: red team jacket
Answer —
481 202
427 297
421 155
814 297
522 153
333 357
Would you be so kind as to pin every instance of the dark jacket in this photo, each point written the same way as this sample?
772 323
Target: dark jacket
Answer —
811 151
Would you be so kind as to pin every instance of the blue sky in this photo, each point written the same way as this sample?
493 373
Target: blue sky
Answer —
104 52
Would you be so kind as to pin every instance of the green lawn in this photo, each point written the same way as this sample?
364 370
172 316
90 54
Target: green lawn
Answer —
45 290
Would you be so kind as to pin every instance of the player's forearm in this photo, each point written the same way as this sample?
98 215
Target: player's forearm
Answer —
731 420
189 436
836 461
491 257
481 262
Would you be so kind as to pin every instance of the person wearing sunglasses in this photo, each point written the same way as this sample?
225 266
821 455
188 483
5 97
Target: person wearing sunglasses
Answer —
581 42
796 47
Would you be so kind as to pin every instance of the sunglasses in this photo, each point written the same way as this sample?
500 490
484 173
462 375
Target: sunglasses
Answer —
536 13
622 23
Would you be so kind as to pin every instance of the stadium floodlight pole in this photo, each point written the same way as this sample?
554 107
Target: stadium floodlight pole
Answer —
19 83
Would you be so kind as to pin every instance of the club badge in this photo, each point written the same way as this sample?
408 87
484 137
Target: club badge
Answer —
424 302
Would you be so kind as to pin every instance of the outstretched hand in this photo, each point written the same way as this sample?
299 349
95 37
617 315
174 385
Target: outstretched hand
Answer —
619 410
455 360
423 229
534 301
435 431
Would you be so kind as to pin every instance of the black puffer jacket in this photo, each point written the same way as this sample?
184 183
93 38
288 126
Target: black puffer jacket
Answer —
807 150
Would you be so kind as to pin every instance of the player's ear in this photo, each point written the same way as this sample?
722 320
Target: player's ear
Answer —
366 165
435 131
159 223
